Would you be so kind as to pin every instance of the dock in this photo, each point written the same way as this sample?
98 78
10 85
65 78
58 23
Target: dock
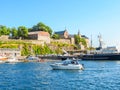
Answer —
58 57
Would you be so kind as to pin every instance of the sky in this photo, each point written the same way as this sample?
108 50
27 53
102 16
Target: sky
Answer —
90 17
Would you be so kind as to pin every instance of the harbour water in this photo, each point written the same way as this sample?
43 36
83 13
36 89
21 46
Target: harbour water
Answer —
98 75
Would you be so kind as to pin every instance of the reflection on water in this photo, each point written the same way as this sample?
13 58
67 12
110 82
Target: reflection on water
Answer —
98 75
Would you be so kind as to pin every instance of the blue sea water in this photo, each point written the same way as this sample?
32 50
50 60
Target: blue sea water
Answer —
98 75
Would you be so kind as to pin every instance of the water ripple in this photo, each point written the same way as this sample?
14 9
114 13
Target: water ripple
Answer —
40 76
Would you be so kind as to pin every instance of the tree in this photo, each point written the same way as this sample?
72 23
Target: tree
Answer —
3 30
25 50
83 41
56 36
14 32
22 32
8 31
77 39
29 29
42 27
49 30
47 50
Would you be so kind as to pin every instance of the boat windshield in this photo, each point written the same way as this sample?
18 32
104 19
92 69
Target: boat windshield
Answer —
70 62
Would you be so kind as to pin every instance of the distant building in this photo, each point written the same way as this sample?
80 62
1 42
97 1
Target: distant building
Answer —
10 52
39 35
65 37
63 34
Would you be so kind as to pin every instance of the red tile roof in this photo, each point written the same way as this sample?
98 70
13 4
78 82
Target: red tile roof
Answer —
42 33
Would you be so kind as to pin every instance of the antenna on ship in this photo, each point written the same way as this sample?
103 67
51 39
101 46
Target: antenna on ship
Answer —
100 41
91 42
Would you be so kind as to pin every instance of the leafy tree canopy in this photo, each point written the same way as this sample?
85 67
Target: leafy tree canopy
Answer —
77 39
14 32
41 27
56 36
4 30
22 31
83 41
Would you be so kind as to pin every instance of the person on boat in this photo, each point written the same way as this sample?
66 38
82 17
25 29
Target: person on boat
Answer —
72 62
77 62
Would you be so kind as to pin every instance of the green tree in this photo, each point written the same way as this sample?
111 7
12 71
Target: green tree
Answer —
47 50
41 27
8 31
36 49
4 30
77 39
29 29
22 32
83 41
14 32
25 50
49 30
56 36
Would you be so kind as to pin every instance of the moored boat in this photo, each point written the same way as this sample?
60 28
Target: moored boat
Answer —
115 56
3 58
100 53
32 58
11 60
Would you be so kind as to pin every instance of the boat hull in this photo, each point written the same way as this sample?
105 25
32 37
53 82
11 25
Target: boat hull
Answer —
67 67
101 57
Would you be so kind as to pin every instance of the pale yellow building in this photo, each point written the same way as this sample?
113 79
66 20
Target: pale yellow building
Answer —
39 35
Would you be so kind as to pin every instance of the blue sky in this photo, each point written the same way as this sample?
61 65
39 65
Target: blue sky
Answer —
91 17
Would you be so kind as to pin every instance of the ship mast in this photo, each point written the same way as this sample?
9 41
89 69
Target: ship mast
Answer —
100 41
91 41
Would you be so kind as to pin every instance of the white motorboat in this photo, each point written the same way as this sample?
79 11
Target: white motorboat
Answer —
68 64
32 58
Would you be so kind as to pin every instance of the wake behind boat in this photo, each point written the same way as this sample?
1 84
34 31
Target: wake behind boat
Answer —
68 65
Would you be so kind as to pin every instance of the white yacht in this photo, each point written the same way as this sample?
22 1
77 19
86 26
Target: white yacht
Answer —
68 64
32 58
